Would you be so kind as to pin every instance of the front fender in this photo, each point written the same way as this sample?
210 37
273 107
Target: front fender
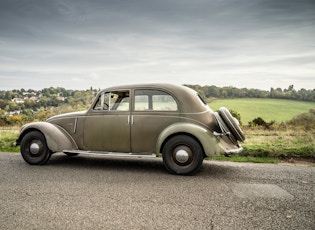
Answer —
57 138
208 141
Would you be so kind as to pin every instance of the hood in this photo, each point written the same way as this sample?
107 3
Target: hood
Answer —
67 115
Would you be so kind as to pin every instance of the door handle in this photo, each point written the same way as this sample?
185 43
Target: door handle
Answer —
130 120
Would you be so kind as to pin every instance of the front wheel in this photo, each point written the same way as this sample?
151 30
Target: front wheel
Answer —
182 155
34 148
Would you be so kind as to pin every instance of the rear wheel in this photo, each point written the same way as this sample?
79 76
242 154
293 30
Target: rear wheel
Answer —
34 148
182 155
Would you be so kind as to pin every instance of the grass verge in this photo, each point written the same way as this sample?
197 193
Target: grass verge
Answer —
237 158
279 143
8 136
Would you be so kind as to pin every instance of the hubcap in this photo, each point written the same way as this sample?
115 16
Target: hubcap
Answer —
182 156
34 148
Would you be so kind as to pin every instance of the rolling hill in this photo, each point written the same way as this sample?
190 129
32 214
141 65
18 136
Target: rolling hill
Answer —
268 109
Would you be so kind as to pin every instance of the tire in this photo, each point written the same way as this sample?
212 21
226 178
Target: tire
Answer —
232 123
182 155
34 148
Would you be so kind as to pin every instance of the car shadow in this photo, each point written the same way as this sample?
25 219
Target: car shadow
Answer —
130 164
108 163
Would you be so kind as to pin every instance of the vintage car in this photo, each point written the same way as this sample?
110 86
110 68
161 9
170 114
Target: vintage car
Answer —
143 120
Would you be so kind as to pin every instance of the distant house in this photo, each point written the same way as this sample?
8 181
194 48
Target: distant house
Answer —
12 113
28 94
33 98
18 100
60 97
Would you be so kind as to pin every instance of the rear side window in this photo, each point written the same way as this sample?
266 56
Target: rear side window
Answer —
154 100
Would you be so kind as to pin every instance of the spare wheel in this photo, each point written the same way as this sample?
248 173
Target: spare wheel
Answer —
232 123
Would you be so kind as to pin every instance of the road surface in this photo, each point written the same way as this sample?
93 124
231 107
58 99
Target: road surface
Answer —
87 192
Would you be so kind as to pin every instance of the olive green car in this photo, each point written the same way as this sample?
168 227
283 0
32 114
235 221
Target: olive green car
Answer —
140 121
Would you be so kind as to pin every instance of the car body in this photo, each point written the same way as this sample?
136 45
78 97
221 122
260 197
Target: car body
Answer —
140 120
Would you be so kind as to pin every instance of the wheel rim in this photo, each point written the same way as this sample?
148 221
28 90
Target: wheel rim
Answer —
36 147
182 155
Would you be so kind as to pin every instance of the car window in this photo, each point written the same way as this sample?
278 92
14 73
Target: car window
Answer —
115 100
154 100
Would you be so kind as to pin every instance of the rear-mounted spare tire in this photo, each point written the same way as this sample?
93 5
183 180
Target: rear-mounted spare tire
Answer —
232 123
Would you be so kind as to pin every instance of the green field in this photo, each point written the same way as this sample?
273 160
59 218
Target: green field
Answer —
8 136
268 109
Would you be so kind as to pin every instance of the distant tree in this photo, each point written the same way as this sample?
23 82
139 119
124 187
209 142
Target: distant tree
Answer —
261 122
3 103
16 119
304 120
236 115
8 95
232 92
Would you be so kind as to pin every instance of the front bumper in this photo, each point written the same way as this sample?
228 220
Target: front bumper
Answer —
17 142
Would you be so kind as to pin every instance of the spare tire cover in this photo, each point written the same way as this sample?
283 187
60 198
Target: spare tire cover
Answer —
232 123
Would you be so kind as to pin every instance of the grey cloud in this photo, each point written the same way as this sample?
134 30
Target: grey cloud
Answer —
168 40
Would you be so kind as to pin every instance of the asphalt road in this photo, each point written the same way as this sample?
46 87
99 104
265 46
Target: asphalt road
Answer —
87 192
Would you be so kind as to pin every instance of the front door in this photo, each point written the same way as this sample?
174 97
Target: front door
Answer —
107 126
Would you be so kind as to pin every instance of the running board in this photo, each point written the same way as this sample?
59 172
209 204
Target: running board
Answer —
115 154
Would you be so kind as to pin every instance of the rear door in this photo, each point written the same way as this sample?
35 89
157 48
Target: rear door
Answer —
152 111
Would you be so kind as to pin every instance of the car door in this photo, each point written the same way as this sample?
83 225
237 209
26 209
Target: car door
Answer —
107 125
153 111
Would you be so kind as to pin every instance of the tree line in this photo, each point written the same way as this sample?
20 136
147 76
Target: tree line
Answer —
45 98
208 92
21 106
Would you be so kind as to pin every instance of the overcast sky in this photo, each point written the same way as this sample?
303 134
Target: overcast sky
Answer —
77 44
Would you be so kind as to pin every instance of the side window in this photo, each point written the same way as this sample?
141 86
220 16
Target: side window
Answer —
115 100
155 100
141 102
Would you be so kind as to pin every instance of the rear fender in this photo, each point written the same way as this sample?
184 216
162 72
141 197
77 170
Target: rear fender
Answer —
208 141
57 138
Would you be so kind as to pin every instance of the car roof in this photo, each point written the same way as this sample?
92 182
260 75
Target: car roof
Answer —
168 86
187 97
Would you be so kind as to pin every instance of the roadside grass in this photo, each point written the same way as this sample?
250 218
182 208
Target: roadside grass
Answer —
274 146
279 143
238 158
8 136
